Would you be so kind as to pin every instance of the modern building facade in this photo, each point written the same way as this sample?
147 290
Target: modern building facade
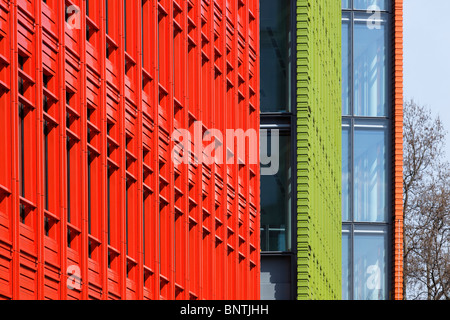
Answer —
94 96
300 206
117 180
372 149
362 212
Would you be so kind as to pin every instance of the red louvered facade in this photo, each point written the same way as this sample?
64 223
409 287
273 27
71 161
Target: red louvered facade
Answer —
91 204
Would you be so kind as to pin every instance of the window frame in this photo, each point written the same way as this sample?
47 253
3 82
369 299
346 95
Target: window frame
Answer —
288 121
290 78
351 120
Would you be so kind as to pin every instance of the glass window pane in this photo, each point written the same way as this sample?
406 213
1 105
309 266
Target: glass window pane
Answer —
369 265
346 65
276 201
275 55
370 174
346 172
369 4
346 264
369 67
345 4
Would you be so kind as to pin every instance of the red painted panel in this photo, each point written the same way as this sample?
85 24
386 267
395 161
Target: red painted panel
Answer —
92 205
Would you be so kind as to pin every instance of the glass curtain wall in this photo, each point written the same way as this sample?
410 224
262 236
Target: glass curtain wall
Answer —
276 114
365 149
277 118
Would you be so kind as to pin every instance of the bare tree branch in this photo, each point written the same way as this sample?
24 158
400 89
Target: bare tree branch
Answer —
426 189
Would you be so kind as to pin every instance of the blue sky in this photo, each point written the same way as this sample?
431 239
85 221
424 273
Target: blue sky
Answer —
427 57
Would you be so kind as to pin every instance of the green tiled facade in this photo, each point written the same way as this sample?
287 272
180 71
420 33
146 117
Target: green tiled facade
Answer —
318 149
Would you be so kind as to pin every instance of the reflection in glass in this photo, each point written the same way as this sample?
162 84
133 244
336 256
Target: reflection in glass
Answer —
346 266
370 175
346 173
369 265
276 202
345 4
345 65
275 55
367 4
370 51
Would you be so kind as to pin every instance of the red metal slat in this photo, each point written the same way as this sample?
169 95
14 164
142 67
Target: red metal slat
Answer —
121 106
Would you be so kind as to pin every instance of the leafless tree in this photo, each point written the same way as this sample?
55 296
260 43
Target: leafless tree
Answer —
426 212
